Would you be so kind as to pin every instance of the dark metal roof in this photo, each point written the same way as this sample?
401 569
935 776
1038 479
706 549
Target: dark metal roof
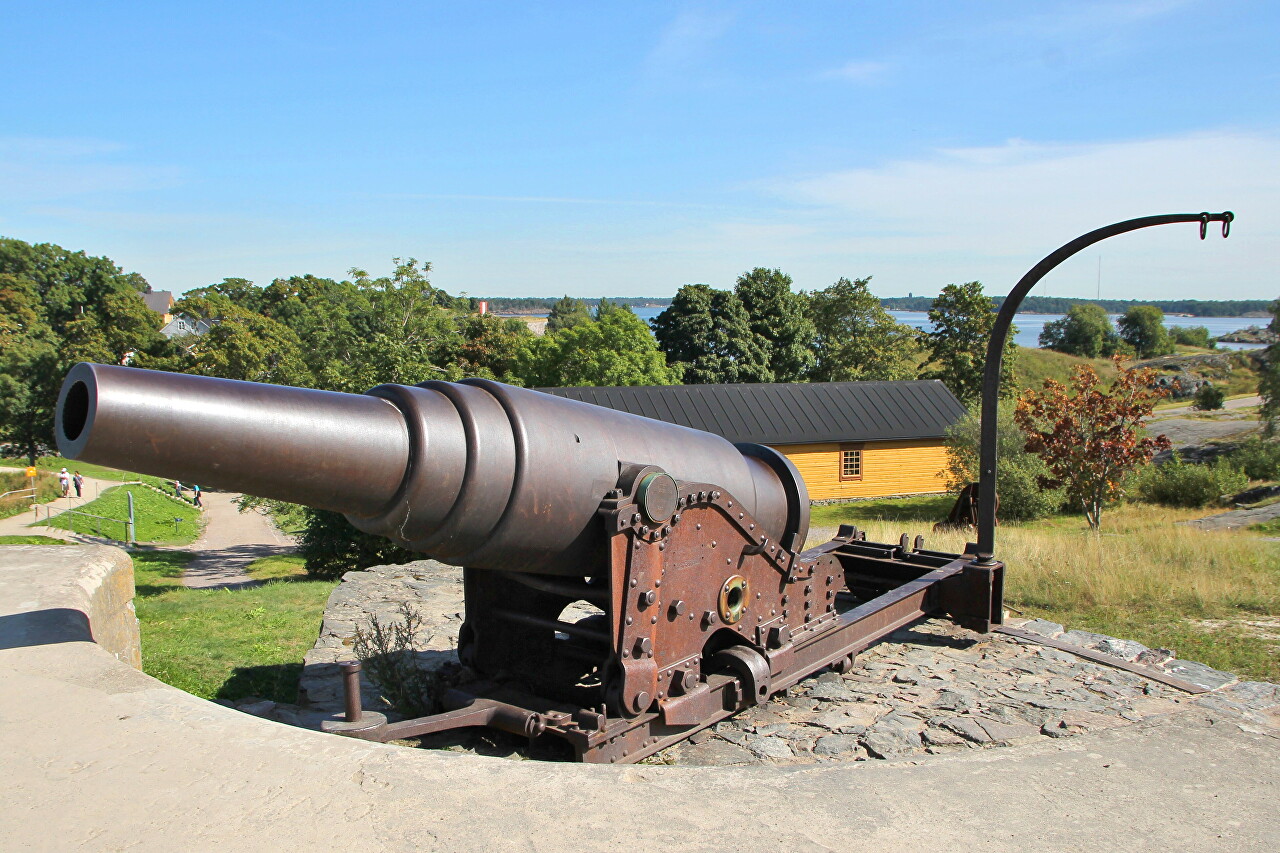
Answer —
790 413
159 301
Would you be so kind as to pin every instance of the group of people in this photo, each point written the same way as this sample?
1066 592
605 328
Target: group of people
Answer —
67 480
195 492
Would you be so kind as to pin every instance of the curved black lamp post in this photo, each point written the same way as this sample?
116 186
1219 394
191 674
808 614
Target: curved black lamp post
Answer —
995 354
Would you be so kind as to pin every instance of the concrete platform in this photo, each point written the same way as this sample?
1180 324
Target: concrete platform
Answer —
98 756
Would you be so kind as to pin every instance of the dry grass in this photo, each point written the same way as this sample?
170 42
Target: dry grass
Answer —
1142 577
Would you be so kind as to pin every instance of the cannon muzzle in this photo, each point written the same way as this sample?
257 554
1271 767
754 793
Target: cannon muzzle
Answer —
476 473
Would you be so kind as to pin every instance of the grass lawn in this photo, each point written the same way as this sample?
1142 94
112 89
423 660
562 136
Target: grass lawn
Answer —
1141 578
279 567
32 540
154 516
226 644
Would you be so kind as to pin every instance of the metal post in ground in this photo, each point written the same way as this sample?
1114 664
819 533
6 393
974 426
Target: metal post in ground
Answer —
131 531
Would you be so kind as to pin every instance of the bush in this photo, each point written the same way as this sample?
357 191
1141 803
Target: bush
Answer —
46 490
1178 483
1208 398
388 656
1192 336
1258 458
1017 471
331 547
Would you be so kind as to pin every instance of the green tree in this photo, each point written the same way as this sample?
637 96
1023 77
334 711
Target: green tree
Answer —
241 291
1018 475
616 349
406 332
30 368
490 346
1086 331
332 317
1269 377
963 318
855 338
1192 336
705 333
567 313
330 546
1142 327
779 319
58 307
241 345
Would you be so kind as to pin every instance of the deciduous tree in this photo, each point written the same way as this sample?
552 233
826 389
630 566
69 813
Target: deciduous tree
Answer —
1090 437
778 318
566 313
963 318
855 338
705 333
1142 327
1086 331
615 349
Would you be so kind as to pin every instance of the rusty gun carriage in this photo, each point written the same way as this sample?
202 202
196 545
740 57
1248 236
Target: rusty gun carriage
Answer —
688 549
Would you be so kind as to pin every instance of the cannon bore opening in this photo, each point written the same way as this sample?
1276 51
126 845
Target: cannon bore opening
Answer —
75 411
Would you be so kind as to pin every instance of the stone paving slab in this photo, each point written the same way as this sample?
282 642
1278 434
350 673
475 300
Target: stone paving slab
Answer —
932 689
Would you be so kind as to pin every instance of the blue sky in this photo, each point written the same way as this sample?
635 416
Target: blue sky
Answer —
626 149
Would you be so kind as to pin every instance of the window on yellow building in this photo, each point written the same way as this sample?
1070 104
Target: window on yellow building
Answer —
851 463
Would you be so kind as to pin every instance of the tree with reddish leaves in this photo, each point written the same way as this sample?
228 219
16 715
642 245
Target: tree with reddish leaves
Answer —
1088 436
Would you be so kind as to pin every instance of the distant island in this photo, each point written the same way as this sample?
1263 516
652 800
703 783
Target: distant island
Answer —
1030 305
542 304
1061 304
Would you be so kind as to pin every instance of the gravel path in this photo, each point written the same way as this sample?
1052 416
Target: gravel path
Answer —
230 542
1228 405
19 525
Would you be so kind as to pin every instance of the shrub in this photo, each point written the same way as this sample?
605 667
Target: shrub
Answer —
1259 458
1209 397
1192 336
1017 471
386 651
1178 483
331 547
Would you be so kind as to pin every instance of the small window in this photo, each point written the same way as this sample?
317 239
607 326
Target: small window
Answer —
851 463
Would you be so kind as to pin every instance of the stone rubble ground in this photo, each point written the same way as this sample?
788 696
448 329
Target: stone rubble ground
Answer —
931 689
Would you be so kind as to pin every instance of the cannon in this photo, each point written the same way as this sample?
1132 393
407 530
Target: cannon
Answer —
628 582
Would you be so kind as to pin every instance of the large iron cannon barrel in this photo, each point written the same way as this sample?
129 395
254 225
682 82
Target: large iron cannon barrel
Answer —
474 473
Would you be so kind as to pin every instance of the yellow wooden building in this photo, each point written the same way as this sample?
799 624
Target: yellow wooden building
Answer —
848 439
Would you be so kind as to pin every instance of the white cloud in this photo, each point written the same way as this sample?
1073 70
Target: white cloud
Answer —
989 211
857 71
685 42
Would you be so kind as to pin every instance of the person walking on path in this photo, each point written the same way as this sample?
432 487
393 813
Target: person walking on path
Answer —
195 496
78 482
64 480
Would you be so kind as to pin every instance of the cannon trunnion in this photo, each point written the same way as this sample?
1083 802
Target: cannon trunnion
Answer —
628 582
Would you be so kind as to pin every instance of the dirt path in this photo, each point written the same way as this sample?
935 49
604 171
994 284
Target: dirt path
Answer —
1239 403
1201 427
230 542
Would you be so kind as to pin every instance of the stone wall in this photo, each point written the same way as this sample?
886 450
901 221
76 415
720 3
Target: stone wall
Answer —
74 592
